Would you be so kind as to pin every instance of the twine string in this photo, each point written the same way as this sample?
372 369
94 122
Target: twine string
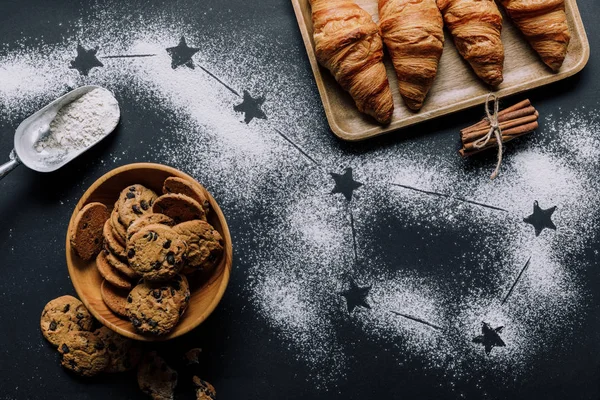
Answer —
495 130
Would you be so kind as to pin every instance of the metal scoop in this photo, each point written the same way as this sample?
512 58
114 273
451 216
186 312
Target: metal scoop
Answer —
37 126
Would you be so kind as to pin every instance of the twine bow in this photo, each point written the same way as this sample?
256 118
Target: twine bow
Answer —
494 130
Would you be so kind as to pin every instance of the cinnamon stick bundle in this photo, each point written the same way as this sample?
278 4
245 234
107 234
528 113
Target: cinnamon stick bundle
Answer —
514 121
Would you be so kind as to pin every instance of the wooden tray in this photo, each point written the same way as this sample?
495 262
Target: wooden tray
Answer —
456 86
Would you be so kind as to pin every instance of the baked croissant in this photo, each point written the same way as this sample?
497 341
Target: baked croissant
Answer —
544 24
475 26
413 32
348 44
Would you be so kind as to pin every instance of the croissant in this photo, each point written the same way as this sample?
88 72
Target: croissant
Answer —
413 32
544 24
475 26
348 44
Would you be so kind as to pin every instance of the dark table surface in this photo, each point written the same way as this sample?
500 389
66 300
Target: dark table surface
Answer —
434 267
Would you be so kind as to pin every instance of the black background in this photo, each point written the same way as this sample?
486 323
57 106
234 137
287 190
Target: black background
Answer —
242 357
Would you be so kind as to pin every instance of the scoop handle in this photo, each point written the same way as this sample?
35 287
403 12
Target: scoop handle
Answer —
9 166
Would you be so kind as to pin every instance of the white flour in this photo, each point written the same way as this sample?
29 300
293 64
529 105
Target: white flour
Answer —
80 124
296 254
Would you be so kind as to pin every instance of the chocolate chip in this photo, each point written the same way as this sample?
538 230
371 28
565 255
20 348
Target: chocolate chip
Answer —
130 195
136 209
157 265
172 293
129 299
176 285
167 244
96 240
67 307
187 297
64 348
136 322
79 315
132 188
53 325
131 253
144 205
84 226
73 364
99 346
152 323
112 347
171 258
156 294
151 202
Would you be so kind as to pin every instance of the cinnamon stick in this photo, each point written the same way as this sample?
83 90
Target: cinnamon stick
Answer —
478 134
529 110
507 135
522 104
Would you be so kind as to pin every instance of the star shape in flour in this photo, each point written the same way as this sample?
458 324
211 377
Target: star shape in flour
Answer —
541 219
345 184
85 60
490 337
182 54
250 106
356 296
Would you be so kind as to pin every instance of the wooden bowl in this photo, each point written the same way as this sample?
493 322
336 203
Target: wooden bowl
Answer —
205 293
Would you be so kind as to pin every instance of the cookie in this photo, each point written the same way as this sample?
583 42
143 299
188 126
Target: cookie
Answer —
86 234
148 219
156 252
123 354
83 353
63 315
179 207
188 188
111 243
118 228
204 245
192 356
114 298
204 390
134 201
108 273
155 308
156 378
120 266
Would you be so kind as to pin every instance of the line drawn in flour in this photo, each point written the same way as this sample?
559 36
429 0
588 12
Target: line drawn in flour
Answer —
417 319
448 197
512 288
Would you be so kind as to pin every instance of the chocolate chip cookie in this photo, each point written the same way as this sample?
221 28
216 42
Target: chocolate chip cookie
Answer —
156 252
204 390
188 188
120 266
110 274
83 353
155 308
156 378
111 243
124 354
86 235
118 228
63 315
134 201
179 207
204 245
148 219
114 298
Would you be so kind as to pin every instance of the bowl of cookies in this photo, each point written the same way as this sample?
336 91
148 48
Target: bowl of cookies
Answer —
149 251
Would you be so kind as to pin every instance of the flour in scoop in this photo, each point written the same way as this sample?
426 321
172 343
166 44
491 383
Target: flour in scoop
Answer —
80 124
